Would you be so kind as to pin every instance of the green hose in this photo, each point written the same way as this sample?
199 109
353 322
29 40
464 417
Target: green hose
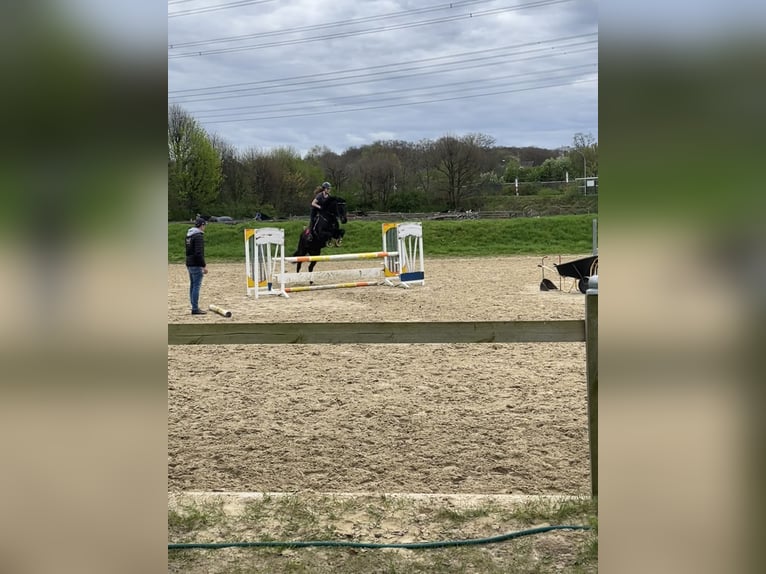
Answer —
409 546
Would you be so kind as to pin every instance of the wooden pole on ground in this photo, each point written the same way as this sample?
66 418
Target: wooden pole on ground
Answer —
220 310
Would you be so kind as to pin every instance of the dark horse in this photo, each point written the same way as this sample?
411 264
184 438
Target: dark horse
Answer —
326 229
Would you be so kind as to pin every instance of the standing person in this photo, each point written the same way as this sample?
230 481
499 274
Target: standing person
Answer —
321 193
195 262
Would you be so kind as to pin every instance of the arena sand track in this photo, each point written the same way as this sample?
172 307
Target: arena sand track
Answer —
484 418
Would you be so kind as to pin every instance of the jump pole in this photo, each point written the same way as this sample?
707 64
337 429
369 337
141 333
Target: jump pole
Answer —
342 257
334 286
338 275
220 310
341 274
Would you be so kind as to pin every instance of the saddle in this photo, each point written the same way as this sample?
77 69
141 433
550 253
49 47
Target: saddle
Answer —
310 233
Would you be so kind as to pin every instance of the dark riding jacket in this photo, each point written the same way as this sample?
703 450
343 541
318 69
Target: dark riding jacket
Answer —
320 198
195 247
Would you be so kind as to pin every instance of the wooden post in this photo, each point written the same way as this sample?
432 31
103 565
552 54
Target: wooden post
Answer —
591 360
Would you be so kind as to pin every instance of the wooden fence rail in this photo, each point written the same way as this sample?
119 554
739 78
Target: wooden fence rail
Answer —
374 333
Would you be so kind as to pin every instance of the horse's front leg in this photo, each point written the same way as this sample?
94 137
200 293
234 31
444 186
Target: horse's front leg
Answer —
311 268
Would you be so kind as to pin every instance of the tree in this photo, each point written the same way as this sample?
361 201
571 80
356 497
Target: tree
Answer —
585 148
460 161
206 174
512 170
295 181
553 169
194 166
234 192
335 169
377 170
260 176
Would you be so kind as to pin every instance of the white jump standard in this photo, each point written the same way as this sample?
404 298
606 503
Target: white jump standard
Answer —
265 263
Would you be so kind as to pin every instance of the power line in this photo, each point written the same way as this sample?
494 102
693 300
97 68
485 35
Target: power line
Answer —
379 73
343 84
327 112
397 94
202 10
319 75
348 34
286 31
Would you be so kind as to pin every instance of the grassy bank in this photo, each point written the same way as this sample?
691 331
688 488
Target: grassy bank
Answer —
382 519
563 234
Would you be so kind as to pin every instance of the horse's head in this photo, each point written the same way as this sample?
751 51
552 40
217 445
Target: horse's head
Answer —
340 208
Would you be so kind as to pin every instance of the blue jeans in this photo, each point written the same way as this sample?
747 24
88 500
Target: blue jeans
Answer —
195 283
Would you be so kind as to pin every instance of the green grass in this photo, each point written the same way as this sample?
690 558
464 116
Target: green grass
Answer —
193 517
562 234
460 516
364 518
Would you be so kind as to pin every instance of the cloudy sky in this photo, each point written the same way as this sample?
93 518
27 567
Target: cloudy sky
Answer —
340 73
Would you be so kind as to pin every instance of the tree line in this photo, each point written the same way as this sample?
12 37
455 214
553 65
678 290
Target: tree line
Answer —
453 173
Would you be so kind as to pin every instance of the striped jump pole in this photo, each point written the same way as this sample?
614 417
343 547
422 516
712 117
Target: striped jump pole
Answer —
333 286
338 275
342 257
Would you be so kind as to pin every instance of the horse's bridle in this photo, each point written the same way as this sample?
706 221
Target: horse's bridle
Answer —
335 214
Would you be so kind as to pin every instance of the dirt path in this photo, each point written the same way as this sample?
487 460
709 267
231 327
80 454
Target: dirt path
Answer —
492 418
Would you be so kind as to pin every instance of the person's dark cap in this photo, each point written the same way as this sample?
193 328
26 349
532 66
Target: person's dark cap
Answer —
199 221
326 185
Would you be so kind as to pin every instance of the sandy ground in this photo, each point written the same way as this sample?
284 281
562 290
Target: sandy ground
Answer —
484 419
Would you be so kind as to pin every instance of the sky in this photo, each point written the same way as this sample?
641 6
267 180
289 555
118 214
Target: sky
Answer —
266 74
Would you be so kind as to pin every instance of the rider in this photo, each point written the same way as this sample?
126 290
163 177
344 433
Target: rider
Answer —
321 193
